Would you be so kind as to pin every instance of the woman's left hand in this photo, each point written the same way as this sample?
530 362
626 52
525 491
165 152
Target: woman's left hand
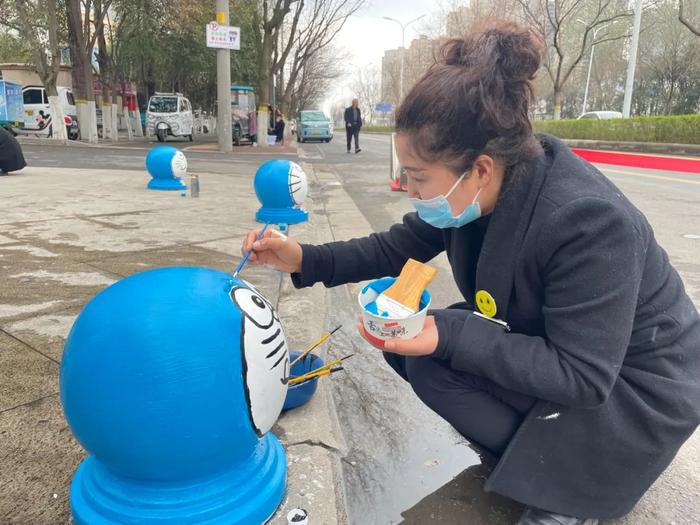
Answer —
425 343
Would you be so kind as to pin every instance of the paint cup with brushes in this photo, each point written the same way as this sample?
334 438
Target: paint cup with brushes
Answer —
396 307
305 369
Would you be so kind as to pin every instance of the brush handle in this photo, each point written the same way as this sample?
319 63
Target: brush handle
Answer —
247 254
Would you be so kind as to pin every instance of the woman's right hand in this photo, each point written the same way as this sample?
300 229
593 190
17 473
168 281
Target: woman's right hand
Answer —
274 249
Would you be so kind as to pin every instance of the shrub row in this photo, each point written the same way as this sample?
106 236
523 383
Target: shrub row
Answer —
679 129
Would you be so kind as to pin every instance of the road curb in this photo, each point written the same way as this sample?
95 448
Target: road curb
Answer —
311 433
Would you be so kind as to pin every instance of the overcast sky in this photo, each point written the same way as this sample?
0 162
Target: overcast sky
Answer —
366 35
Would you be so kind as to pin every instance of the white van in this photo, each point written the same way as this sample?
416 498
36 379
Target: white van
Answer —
169 114
37 115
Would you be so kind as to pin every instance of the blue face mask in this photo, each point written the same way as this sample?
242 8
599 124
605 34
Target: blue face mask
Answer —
438 212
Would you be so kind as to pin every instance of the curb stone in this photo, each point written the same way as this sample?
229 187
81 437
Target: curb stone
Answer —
311 433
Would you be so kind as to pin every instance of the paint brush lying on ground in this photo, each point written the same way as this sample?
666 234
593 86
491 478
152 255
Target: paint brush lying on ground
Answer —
402 298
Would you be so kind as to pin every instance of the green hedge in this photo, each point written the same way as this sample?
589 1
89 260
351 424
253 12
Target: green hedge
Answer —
680 129
675 129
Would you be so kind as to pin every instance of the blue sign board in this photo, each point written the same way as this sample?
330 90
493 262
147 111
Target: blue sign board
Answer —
383 107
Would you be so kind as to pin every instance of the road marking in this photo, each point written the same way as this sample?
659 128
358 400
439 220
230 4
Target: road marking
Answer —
648 176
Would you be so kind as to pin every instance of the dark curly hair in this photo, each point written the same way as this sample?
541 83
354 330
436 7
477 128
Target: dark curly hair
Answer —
474 100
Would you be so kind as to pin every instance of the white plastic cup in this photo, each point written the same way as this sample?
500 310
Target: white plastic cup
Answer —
379 328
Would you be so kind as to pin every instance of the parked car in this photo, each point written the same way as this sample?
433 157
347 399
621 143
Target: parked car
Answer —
600 115
313 125
169 114
37 113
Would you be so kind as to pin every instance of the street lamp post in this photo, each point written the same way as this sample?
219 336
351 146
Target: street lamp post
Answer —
632 64
590 66
403 48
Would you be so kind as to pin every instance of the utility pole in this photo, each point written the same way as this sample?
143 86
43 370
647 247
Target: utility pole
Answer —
223 84
632 64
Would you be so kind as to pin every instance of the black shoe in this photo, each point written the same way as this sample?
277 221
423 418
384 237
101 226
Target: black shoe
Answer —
348 151
533 516
357 150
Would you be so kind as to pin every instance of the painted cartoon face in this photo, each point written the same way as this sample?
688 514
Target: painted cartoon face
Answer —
265 357
179 164
298 185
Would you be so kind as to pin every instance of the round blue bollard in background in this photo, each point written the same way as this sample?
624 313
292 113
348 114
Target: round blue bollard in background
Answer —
171 379
166 165
281 188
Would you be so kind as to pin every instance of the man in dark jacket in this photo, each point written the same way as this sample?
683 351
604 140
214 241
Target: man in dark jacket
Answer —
353 123
278 130
11 157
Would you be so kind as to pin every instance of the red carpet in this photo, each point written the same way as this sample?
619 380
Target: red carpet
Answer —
639 160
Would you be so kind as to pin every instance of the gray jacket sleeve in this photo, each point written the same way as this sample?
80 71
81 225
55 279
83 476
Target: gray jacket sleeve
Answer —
378 255
591 258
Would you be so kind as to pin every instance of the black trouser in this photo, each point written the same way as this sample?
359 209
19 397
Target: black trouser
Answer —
353 131
483 412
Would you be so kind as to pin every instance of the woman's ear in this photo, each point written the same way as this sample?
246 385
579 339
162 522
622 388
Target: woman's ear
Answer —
483 169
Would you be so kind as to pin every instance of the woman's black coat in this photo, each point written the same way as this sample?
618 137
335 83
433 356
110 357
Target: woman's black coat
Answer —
11 157
602 331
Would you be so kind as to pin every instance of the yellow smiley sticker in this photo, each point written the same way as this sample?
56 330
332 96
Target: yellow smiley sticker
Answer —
485 303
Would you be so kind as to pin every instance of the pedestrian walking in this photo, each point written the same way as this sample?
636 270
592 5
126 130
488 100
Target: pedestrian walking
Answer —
574 359
353 123
278 129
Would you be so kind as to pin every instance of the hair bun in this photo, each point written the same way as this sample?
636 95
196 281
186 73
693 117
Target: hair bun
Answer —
497 47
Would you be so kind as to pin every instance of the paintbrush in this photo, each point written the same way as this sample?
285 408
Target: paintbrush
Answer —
327 366
321 340
310 377
247 254
402 298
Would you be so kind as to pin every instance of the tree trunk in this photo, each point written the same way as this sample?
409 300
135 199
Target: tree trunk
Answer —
81 72
114 132
557 103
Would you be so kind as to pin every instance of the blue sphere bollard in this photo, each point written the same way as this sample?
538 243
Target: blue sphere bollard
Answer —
171 380
166 165
281 188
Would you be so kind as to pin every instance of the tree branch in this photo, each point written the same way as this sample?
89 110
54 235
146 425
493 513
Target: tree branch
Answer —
683 20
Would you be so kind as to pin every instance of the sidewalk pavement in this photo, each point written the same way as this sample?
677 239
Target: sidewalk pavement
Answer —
69 233
202 144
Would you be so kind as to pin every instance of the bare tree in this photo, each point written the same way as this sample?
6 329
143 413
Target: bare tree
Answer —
38 22
316 78
570 28
368 89
82 34
268 21
318 25
685 21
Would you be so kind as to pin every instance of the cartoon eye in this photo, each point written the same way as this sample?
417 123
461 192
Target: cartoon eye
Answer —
254 307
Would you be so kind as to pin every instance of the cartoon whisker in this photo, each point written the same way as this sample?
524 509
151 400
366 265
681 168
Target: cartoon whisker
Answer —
275 350
272 337
284 356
